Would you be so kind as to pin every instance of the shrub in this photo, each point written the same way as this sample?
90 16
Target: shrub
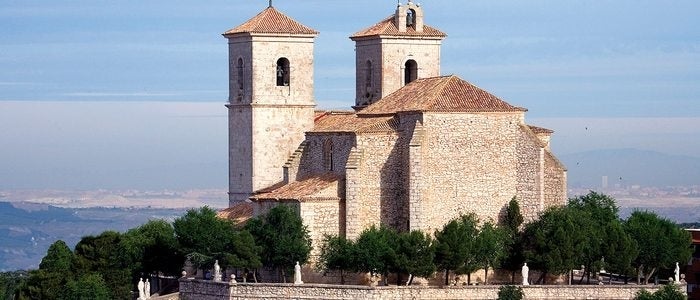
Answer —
510 292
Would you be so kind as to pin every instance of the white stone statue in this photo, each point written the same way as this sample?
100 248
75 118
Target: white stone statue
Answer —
147 289
677 274
141 286
297 274
526 273
217 271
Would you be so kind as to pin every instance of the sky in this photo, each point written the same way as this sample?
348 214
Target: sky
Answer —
130 93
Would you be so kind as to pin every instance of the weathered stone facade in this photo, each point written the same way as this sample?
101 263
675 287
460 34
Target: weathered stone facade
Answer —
418 152
271 102
207 290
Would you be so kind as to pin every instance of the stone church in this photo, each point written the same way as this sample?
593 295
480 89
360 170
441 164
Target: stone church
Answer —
416 150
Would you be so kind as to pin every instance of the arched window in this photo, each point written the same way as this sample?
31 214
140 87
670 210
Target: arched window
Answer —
410 17
410 71
328 155
368 79
240 73
282 72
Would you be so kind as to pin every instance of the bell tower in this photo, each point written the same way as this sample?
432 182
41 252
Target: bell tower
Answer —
394 52
271 98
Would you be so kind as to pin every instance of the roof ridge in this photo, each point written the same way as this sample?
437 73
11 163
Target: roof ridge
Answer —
441 87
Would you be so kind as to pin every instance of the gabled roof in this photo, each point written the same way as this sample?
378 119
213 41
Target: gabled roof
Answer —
305 189
439 94
271 20
387 27
350 122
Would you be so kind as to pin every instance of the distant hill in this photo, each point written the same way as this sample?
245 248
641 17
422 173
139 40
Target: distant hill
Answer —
631 167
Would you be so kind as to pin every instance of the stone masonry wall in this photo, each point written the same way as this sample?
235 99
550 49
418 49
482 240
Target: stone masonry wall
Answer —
554 181
469 165
207 290
388 58
313 160
382 193
266 122
530 174
322 217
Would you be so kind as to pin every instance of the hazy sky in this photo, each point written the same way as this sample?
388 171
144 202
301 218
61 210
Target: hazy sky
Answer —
628 70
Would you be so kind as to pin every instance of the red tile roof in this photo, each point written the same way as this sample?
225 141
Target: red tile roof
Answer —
239 213
297 190
387 27
350 122
439 94
271 20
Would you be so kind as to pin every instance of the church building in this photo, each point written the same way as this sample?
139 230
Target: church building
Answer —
415 150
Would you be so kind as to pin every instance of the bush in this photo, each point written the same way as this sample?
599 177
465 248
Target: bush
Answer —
510 292
668 292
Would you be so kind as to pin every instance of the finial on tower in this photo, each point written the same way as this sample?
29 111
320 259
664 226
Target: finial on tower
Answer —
270 5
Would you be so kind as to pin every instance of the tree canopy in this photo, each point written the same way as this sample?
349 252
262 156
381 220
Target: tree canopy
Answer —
661 242
283 238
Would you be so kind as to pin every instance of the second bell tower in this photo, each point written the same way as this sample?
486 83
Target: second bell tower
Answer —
394 52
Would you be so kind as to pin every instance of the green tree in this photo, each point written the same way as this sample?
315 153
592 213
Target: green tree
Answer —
11 283
154 249
58 259
454 245
552 243
491 247
415 255
88 287
204 238
661 243
104 255
605 235
510 292
375 251
337 254
283 237
54 272
512 220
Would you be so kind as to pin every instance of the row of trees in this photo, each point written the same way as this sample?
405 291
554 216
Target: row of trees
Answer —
108 265
585 232
461 247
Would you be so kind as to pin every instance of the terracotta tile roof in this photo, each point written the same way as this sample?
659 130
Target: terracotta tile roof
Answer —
351 122
298 190
239 213
539 130
271 20
388 27
439 94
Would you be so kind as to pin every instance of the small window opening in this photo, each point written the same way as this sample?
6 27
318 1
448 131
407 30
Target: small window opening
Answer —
328 155
282 72
410 71
368 79
240 73
411 17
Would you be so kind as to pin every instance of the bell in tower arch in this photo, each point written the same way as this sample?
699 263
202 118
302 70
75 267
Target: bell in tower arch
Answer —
410 17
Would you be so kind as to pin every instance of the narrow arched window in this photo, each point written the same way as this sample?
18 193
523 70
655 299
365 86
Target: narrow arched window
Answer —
240 73
410 71
410 17
328 155
368 79
282 72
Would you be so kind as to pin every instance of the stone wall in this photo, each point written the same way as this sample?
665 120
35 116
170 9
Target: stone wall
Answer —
469 165
388 57
206 290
